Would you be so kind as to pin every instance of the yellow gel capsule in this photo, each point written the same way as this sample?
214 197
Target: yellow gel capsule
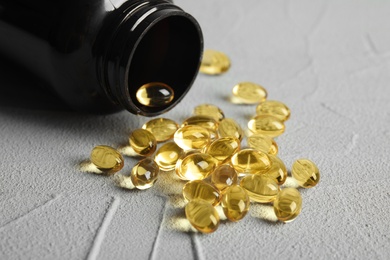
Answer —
107 159
223 148
209 110
260 188
230 128
224 176
250 161
306 173
235 203
288 204
273 108
144 174
192 137
278 170
202 215
214 62
162 128
167 156
248 93
263 143
143 142
155 94
203 121
266 125
201 190
196 166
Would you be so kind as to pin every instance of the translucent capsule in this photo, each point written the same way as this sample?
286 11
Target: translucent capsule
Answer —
288 204
144 174
155 94
209 110
162 128
223 148
107 159
143 142
201 190
196 166
202 215
278 170
260 188
235 203
250 161
306 173
224 176
230 128
203 121
214 62
266 125
263 143
167 156
192 137
248 93
273 108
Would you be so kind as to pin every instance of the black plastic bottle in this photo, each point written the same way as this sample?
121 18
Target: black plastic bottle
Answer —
95 54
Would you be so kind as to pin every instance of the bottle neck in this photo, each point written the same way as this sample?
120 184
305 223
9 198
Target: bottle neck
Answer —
152 41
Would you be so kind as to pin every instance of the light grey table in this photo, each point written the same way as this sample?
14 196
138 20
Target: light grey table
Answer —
328 60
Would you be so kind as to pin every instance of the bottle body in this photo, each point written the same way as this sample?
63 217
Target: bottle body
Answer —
95 54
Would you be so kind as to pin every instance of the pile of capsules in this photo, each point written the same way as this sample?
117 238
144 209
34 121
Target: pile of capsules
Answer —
205 151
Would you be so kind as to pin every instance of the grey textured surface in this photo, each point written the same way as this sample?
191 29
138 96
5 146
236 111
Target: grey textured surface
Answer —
328 60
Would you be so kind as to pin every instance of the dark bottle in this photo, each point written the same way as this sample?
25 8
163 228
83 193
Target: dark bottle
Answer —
95 54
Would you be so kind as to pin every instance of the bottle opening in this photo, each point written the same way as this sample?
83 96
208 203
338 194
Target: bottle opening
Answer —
168 52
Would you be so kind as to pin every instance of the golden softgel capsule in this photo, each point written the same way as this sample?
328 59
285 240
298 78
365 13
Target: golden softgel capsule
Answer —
263 143
197 166
288 204
144 174
143 142
209 110
167 156
248 93
266 125
214 62
202 215
155 94
192 137
224 176
203 121
107 159
228 127
278 170
223 148
235 203
306 173
260 188
273 108
163 129
250 161
201 190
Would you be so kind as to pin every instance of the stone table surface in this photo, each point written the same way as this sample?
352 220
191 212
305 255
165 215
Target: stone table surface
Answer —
328 60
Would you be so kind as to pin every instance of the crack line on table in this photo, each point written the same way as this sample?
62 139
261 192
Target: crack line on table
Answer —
153 254
38 208
196 247
101 233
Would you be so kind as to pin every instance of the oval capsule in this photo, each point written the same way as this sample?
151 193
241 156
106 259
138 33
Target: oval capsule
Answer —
306 173
202 216
235 203
224 176
107 159
248 93
143 142
223 148
273 108
167 156
288 204
214 62
163 129
250 161
203 121
278 170
144 174
192 137
199 189
260 188
267 125
209 110
196 166
155 94
263 143
230 128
